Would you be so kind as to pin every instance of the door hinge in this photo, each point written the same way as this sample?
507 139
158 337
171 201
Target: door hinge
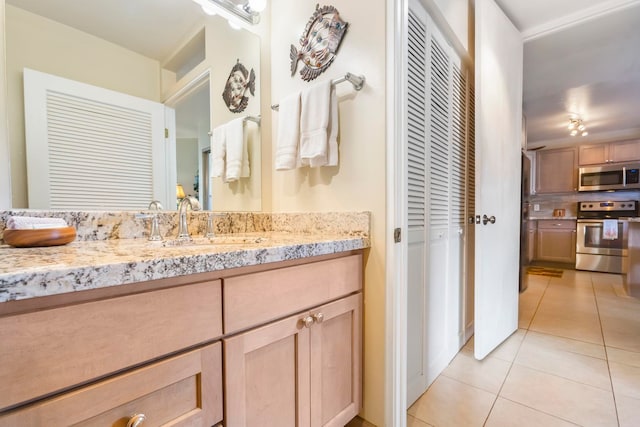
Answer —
166 133
397 235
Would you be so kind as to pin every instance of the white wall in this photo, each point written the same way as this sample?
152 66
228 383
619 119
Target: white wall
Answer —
5 170
47 46
359 181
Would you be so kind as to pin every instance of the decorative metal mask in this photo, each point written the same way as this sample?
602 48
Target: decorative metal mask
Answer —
319 42
240 80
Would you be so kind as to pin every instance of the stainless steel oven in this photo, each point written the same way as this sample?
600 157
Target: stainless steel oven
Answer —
602 235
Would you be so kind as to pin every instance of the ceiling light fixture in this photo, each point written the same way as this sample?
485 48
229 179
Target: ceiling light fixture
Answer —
246 12
576 125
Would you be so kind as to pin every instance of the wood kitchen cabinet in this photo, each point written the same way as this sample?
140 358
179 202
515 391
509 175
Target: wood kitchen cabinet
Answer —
614 152
556 171
556 241
531 240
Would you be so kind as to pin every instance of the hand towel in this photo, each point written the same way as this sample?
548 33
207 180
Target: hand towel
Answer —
610 229
319 126
29 223
218 151
288 132
237 156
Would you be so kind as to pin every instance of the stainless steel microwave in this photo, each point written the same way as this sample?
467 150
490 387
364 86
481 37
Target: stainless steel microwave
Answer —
624 176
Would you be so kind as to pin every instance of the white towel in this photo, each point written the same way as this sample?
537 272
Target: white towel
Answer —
218 149
30 222
288 132
319 126
610 229
237 160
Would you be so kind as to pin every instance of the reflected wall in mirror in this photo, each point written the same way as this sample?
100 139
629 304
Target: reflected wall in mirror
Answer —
175 55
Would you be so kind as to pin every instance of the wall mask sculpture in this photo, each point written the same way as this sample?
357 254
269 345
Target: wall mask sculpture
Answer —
239 82
319 42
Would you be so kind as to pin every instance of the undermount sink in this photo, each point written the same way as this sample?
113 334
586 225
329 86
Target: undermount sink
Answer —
216 240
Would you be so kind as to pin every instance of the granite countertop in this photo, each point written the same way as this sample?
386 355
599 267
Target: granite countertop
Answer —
82 265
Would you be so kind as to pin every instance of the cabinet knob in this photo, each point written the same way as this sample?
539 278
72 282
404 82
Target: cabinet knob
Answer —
318 318
136 420
307 321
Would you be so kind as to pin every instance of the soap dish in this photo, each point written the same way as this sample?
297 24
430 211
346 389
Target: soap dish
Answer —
39 237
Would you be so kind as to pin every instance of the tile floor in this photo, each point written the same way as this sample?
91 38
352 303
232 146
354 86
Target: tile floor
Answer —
575 360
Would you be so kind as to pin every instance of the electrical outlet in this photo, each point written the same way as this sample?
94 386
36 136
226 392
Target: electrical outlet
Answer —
536 207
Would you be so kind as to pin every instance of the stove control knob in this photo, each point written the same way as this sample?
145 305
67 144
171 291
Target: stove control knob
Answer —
590 206
623 205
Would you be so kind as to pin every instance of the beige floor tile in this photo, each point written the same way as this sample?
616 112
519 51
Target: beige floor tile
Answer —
630 358
628 411
568 324
487 374
579 403
505 351
415 422
625 379
563 357
621 329
506 413
449 402
566 344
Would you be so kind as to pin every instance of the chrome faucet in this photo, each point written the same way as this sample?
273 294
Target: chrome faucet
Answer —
183 229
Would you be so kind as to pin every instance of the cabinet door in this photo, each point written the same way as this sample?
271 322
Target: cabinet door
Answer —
556 171
593 154
625 151
267 376
557 245
531 246
336 343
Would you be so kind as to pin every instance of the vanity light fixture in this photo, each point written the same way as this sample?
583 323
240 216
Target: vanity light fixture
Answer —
577 126
227 8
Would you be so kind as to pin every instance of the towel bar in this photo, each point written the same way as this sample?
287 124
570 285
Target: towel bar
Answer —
355 80
255 119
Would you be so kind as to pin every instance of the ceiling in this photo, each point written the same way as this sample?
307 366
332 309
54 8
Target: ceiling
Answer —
580 57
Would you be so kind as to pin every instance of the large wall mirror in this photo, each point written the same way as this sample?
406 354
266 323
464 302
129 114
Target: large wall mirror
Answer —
167 52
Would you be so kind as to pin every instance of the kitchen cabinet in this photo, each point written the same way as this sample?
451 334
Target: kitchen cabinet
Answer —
614 152
556 241
531 240
305 369
556 171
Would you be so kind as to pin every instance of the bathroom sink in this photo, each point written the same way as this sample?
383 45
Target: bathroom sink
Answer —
216 240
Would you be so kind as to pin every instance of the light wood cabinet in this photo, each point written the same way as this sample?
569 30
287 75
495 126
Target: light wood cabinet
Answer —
556 241
556 171
304 370
614 152
531 241
156 348
182 390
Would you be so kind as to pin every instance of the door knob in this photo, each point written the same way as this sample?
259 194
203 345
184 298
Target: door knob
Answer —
136 420
486 219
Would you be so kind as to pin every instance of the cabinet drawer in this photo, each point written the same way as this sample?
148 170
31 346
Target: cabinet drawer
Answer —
182 390
50 350
549 224
257 298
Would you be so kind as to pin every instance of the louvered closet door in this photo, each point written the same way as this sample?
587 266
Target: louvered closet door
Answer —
91 148
436 205
417 170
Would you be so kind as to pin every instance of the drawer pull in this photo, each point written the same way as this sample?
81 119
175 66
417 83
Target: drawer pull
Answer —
307 321
319 317
136 420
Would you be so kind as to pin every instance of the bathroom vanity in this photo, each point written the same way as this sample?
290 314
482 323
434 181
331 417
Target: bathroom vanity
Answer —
266 333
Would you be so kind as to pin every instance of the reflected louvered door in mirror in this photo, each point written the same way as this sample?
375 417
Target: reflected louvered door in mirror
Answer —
436 147
92 148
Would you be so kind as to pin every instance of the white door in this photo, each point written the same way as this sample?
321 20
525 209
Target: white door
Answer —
90 147
498 119
435 185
